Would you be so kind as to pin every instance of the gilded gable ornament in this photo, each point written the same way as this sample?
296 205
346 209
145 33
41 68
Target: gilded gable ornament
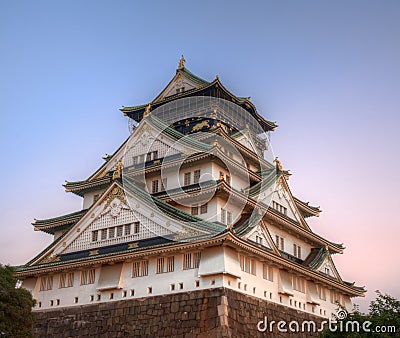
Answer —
182 61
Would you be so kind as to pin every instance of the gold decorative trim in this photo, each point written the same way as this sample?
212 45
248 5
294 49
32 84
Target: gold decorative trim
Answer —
93 252
117 192
133 245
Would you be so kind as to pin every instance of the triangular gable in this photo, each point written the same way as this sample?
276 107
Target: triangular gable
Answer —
258 235
181 82
327 267
279 197
113 210
145 138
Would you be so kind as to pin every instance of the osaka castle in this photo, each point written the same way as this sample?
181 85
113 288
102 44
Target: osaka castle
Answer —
193 200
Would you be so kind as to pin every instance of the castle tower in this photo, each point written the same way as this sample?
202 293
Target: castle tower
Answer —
192 201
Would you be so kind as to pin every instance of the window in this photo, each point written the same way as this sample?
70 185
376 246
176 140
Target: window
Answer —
140 268
279 207
170 264
154 186
172 287
191 260
103 234
268 273
164 184
57 302
228 218
46 283
296 251
88 276
327 271
66 280
298 284
223 216
321 292
127 229
259 240
203 208
335 297
180 286
96 198
95 236
247 264
187 178
120 230
76 299
136 227
111 232
149 289
196 176
280 242
160 265
194 210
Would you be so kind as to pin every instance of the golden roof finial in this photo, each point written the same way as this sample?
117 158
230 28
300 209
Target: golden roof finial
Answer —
278 163
181 62
147 110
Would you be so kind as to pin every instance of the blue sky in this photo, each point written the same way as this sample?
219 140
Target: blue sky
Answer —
327 71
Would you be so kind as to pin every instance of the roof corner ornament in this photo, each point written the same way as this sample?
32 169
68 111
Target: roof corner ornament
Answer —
181 63
147 110
278 164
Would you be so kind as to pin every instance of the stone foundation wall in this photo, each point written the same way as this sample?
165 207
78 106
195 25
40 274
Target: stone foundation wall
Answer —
205 313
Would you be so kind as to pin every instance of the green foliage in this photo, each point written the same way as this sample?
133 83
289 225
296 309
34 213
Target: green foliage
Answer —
384 312
16 318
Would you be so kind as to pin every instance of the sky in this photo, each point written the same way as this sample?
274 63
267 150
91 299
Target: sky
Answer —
328 72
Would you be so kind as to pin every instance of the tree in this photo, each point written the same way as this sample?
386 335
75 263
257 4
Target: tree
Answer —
384 315
16 318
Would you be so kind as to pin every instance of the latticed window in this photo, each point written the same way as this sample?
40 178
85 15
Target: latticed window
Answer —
259 240
321 292
268 272
160 265
154 186
66 280
187 178
194 210
140 268
279 207
228 218
120 230
103 234
247 264
196 176
136 227
88 276
165 264
46 283
127 229
164 184
95 236
203 208
223 216
296 251
111 232
170 264
280 242
191 260
298 284
335 297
